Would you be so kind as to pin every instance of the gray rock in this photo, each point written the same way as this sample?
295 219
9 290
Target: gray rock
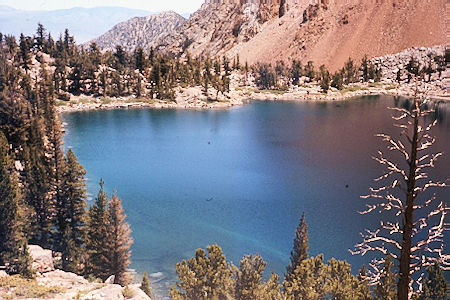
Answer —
110 279
42 259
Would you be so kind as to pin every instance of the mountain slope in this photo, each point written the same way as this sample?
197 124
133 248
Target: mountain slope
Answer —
216 27
344 29
324 31
83 23
140 31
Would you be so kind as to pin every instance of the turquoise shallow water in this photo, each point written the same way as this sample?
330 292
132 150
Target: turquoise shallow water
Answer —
240 177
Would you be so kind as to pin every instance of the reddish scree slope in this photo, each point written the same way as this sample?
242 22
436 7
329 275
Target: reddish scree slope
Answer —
348 28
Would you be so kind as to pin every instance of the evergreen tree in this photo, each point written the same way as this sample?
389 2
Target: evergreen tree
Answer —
434 286
40 37
97 228
296 71
121 58
365 69
249 278
25 53
54 153
119 241
338 80
207 76
272 288
140 59
350 71
145 285
324 79
204 276
13 246
364 292
309 71
71 214
37 185
226 76
386 287
308 281
341 283
300 249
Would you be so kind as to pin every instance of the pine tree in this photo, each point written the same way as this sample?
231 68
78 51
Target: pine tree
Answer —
341 283
249 278
71 214
364 292
338 80
119 242
37 184
40 37
145 285
97 249
207 77
386 288
296 72
204 276
308 281
25 53
13 246
349 71
140 59
434 286
365 69
324 79
309 71
300 249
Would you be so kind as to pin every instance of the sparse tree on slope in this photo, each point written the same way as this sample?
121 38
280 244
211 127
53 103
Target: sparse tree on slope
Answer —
119 241
145 285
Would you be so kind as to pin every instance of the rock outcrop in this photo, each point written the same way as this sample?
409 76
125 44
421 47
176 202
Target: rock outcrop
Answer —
42 259
144 32
65 285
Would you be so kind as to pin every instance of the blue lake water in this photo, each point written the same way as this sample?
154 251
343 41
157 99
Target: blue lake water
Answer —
240 177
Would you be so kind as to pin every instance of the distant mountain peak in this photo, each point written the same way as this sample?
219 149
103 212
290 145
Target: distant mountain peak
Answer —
142 32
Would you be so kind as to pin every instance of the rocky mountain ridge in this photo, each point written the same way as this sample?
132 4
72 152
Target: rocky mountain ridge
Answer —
144 32
323 31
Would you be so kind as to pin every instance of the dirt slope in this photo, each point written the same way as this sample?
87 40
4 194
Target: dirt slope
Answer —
347 28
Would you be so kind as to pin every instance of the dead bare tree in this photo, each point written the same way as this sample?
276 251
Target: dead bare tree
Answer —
411 227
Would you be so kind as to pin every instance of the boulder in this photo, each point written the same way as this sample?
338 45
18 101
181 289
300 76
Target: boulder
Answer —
42 259
109 291
110 279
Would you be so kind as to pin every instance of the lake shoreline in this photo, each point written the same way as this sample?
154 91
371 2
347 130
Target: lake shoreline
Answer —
193 98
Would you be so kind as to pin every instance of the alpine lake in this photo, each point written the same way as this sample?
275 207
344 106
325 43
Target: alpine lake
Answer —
242 177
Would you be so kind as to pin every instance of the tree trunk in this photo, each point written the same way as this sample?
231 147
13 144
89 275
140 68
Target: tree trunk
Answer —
408 221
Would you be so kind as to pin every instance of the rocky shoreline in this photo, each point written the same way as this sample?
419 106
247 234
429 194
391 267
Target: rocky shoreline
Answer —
193 98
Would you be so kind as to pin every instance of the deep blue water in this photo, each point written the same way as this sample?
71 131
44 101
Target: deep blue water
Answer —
240 177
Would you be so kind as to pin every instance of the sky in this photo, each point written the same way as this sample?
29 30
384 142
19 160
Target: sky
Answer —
180 6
